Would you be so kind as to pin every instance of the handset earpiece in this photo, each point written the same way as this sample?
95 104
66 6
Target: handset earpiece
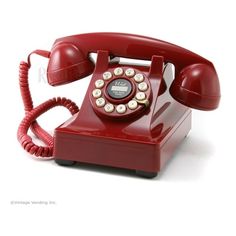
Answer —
197 86
67 63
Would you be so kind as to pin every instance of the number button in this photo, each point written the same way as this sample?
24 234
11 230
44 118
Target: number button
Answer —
130 72
121 108
100 102
140 96
132 104
109 108
107 75
118 71
139 78
97 93
99 83
143 86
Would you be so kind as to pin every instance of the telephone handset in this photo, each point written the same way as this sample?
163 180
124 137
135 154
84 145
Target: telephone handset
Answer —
131 116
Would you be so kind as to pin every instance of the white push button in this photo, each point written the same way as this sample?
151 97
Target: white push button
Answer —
118 71
97 93
107 75
139 78
143 86
109 108
100 102
99 83
140 96
121 108
130 72
132 104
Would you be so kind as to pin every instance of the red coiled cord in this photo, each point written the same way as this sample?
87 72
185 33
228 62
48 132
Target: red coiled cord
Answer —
31 114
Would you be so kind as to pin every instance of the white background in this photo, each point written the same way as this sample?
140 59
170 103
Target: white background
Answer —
195 194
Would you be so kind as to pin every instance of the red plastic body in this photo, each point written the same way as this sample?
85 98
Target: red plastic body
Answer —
143 143
142 138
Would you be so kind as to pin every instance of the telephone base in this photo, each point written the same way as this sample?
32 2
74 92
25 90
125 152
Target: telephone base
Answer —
146 158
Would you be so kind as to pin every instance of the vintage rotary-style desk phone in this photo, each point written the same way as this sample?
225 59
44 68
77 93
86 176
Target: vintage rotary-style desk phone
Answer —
132 116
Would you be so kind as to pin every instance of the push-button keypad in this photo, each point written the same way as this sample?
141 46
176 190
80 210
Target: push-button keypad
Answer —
127 85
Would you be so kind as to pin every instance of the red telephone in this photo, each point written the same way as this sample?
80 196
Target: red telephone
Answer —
132 116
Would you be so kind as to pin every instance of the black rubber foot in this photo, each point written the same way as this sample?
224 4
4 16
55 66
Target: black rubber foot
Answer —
146 174
65 162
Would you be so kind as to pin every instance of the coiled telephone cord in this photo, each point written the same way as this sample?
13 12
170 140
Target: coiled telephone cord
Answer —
32 113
